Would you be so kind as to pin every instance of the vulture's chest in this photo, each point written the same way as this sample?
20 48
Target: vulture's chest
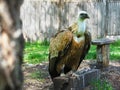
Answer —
75 52
77 45
78 39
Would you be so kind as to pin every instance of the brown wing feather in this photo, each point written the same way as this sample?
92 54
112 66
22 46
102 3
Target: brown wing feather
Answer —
59 45
73 27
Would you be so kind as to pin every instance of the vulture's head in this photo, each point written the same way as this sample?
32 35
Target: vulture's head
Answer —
83 15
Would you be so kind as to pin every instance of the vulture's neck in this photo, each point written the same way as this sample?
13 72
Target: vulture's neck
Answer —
81 26
79 35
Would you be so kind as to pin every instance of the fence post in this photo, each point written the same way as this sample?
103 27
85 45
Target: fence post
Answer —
106 18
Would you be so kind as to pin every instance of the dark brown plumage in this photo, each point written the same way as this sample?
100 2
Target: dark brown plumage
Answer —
67 49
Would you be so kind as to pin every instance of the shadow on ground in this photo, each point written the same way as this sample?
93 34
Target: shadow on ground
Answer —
37 76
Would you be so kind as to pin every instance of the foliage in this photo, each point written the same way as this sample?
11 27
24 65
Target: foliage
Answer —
101 85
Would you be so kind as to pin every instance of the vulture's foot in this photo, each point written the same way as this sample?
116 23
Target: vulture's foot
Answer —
62 74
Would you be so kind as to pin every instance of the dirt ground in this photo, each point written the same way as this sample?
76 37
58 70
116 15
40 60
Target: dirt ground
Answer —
111 74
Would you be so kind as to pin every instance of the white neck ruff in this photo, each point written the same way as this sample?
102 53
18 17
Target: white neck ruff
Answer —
81 31
81 26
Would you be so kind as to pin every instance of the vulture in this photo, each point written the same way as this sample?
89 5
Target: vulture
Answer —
68 47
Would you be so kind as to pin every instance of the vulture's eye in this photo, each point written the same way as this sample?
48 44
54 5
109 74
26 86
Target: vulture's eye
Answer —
82 14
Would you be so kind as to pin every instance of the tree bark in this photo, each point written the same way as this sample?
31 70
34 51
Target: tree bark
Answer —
11 45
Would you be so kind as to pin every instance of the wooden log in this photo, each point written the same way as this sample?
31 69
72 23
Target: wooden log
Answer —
102 41
60 83
78 82
103 55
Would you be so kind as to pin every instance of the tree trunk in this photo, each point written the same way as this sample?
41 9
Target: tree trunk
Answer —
11 45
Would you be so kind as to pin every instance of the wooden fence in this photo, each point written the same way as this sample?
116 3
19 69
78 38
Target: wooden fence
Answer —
43 18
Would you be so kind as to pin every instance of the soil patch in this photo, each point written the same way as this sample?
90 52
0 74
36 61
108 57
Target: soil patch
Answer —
36 77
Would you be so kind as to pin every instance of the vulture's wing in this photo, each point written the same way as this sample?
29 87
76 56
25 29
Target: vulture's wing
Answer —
59 45
73 27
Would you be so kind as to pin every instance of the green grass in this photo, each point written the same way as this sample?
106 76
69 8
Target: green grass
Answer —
115 51
37 52
92 53
101 85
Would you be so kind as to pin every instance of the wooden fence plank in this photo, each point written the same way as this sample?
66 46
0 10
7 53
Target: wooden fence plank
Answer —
41 17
